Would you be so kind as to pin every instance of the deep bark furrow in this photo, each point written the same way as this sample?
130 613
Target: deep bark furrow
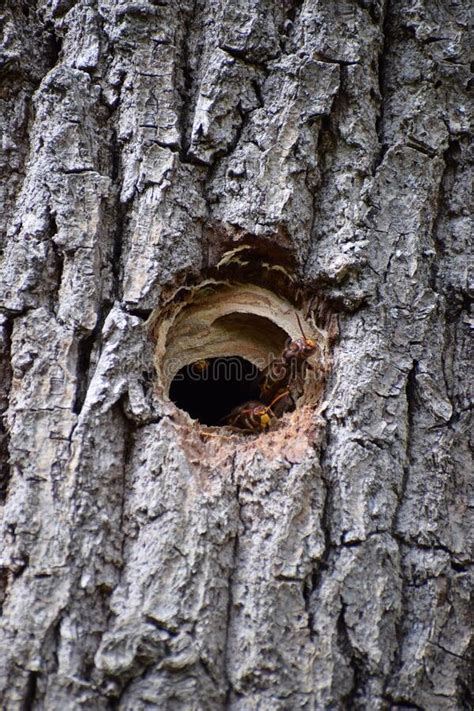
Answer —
187 105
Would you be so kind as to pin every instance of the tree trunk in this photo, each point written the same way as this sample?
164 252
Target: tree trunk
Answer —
147 564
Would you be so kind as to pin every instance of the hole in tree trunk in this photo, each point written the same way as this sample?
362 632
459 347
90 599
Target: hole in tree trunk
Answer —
210 388
238 354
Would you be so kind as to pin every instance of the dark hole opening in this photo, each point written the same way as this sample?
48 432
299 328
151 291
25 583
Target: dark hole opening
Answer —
209 389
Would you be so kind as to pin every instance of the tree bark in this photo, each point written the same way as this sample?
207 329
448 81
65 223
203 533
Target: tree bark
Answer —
143 566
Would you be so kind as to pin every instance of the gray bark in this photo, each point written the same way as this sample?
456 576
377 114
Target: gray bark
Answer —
142 565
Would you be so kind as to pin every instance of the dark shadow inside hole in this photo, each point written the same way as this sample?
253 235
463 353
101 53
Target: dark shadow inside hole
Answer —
209 389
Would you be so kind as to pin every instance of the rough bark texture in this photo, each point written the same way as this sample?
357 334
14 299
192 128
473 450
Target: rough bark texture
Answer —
142 567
